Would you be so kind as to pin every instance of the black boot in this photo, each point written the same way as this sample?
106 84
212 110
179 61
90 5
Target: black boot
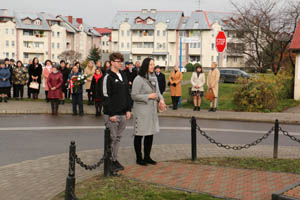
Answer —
56 108
52 108
198 108
138 150
5 99
195 108
1 99
147 150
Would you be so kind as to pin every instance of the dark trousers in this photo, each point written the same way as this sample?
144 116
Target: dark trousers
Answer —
90 97
148 141
175 101
77 100
18 91
9 93
98 106
54 106
28 91
14 90
46 95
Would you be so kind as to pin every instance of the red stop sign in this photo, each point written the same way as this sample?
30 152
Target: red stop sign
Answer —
221 41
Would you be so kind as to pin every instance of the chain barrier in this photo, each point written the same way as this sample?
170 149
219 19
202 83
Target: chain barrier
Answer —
288 135
246 146
89 167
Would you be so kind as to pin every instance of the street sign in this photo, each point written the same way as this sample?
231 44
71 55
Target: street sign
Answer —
221 42
190 40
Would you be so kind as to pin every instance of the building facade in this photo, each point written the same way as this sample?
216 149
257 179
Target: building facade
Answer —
25 35
162 34
105 43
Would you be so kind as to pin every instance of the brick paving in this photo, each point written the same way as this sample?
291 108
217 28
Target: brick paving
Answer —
217 181
43 178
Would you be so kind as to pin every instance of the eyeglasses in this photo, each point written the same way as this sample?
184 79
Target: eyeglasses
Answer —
118 61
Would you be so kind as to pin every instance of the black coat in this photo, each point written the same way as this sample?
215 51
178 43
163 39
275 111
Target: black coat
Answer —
35 71
97 88
130 75
161 82
117 99
65 72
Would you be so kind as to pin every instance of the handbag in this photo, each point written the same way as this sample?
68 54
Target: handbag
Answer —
210 95
34 85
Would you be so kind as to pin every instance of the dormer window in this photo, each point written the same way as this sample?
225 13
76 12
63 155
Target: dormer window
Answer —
27 21
150 21
139 20
37 22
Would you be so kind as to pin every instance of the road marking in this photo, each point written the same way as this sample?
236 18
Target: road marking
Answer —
130 128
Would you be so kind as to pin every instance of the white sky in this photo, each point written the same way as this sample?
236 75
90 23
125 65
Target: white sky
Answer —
100 13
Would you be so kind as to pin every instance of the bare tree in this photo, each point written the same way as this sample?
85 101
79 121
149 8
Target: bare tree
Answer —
266 28
70 56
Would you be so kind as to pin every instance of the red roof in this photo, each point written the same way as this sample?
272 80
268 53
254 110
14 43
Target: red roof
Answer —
103 30
295 45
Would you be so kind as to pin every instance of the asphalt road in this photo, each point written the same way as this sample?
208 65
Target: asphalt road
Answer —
28 137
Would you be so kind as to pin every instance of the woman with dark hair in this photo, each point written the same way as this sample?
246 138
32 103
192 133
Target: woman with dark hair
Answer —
77 64
35 75
146 96
198 81
65 73
106 67
96 91
54 83
175 86
20 78
46 72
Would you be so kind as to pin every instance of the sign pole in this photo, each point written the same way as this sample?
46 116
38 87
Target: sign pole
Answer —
180 65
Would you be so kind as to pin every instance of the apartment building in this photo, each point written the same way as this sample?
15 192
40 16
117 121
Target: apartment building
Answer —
105 43
25 35
159 33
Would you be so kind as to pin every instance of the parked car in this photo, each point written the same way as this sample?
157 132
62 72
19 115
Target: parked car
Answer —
231 75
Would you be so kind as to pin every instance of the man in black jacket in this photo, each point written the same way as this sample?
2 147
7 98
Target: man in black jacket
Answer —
161 79
131 73
117 104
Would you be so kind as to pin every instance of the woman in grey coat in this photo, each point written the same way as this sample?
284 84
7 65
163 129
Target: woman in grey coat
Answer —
146 95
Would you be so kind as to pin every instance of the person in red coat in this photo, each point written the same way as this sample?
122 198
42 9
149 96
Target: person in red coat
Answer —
54 82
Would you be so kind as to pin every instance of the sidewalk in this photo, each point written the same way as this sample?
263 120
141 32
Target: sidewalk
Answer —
30 107
44 178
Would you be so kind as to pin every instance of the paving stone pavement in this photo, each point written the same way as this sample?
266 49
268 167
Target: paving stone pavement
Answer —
43 178
218 181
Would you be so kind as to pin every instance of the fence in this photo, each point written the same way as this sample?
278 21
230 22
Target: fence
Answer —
276 129
74 158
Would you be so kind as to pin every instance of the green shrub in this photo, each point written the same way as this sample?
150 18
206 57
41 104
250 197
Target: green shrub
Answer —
258 94
189 67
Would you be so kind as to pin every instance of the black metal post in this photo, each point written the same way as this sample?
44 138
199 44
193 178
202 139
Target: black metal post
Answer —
194 139
276 133
70 184
107 153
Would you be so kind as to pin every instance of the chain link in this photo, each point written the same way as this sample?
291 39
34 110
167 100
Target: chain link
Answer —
246 146
288 135
89 167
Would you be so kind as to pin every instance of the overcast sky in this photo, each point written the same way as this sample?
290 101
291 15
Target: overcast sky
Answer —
100 13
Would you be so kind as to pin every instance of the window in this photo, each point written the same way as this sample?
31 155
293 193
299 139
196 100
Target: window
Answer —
128 33
47 53
235 59
170 57
12 43
198 45
181 33
212 59
128 45
195 45
6 31
164 33
58 45
158 33
107 43
212 46
13 55
122 45
7 43
158 58
52 56
140 33
26 55
139 45
150 33
164 45
12 31
148 45
7 55
139 58
36 44
27 32
191 45
53 45
53 34
37 22
122 33
58 34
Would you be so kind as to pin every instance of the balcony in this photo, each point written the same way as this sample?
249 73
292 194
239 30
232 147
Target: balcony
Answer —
34 49
34 38
194 51
142 51
136 38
